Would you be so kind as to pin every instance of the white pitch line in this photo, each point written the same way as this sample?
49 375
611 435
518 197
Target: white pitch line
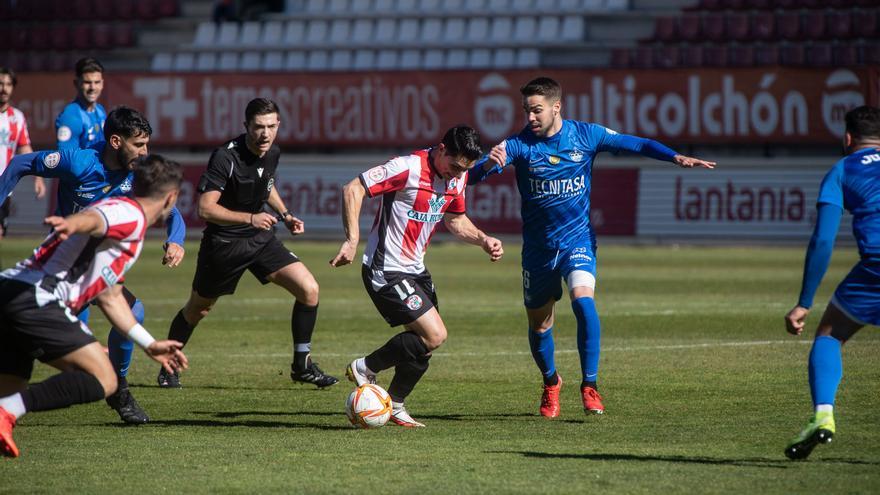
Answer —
707 345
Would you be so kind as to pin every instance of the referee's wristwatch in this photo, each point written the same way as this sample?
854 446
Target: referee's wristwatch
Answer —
286 214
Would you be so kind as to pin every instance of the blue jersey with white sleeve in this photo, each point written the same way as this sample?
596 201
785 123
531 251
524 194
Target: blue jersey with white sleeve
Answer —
553 175
76 127
83 180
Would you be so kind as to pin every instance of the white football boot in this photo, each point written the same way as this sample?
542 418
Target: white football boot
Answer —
357 372
400 417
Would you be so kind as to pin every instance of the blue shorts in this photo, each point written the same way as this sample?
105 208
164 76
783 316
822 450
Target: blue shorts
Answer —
858 295
544 269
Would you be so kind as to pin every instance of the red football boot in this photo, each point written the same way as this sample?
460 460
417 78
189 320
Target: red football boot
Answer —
550 399
7 444
592 401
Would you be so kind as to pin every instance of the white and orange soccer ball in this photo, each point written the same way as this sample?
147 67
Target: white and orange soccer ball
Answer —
368 406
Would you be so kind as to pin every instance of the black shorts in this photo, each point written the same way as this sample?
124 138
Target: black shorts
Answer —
4 216
401 298
28 331
222 261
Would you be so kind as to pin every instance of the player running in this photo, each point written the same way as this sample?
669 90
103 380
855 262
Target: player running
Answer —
553 160
81 122
417 191
235 188
81 260
852 184
14 139
86 176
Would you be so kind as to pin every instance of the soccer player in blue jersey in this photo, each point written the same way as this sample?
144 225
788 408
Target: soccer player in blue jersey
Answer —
81 122
553 160
89 175
852 184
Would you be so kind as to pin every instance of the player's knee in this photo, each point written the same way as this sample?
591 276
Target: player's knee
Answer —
310 291
435 339
108 380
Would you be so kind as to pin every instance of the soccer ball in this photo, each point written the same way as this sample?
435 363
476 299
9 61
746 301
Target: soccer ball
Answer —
368 406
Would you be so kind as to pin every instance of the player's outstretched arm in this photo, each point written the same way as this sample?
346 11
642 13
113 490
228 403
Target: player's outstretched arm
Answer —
176 229
18 167
166 352
815 264
462 227
353 195
492 163
88 222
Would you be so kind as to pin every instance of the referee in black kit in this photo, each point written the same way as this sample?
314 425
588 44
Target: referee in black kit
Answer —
240 236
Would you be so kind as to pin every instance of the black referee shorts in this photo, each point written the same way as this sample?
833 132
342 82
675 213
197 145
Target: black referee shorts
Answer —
401 298
28 331
222 261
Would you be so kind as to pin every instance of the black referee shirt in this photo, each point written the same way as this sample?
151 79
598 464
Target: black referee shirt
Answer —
244 180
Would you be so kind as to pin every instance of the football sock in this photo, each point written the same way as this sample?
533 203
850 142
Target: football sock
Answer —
590 384
13 404
302 324
543 349
180 329
588 336
826 369
406 375
62 390
121 349
405 346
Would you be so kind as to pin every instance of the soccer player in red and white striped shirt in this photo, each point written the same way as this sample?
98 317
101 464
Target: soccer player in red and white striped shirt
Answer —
81 260
14 138
417 191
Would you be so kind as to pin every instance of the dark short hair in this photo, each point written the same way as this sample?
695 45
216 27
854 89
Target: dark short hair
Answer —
542 86
863 122
259 106
462 140
11 73
86 65
155 175
126 122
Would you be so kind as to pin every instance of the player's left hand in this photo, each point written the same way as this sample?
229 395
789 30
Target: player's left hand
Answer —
493 247
295 225
346 254
39 187
60 225
168 353
794 320
173 254
690 162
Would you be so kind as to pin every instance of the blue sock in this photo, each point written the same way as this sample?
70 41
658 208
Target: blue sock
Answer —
121 349
826 369
542 350
588 336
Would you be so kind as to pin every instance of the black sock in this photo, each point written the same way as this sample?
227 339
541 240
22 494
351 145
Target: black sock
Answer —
302 324
406 375
180 330
590 384
62 390
405 346
122 383
551 380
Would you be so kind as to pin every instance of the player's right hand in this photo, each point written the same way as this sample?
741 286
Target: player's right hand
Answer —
493 247
345 255
794 320
263 221
498 153
168 353
60 225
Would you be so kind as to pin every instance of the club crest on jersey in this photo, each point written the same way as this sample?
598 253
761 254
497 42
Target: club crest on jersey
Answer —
453 182
52 159
64 133
376 174
414 302
4 137
576 155
125 186
554 160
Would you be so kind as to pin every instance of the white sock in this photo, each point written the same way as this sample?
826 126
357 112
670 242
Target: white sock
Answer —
361 365
824 408
13 404
396 405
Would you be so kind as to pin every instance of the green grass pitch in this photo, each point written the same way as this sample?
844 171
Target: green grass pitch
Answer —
702 385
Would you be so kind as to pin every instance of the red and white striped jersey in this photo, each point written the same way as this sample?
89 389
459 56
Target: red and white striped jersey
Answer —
76 270
13 134
414 199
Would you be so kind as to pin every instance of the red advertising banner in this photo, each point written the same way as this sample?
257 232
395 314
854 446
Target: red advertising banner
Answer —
411 109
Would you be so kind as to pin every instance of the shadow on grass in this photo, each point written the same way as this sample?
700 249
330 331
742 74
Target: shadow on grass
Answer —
235 414
475 417
250 424
753 462
293 387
